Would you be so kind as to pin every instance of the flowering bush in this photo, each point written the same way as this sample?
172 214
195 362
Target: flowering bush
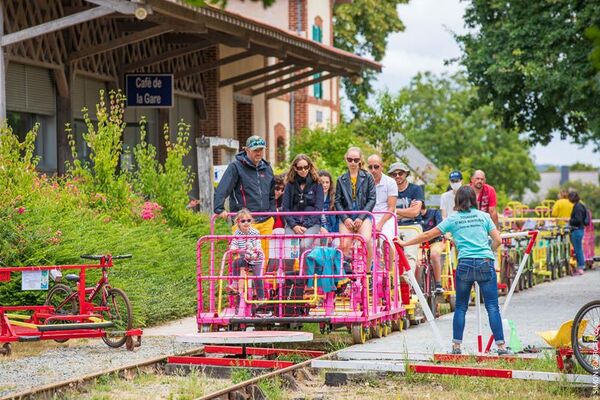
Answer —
149 210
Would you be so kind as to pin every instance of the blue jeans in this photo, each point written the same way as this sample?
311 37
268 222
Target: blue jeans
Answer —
480 270
577 242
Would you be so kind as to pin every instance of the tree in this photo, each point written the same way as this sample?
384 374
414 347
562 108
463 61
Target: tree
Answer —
530 60
579 166
440 117
327 147
362 27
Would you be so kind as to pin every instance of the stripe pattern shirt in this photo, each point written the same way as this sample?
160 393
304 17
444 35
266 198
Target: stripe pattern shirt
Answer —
251 245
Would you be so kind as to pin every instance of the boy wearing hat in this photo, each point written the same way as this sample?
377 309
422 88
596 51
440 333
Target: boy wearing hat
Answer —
447 199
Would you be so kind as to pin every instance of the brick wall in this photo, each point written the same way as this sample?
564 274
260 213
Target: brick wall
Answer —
300 109
243 122
210 79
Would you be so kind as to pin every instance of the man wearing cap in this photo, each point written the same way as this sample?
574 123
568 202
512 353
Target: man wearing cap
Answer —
408 209
447 199
249 183
486 195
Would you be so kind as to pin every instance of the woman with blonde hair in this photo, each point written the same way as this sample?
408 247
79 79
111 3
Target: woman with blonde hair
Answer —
355 191
303 192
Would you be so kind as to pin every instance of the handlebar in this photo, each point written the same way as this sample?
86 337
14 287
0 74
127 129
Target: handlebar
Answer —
101 256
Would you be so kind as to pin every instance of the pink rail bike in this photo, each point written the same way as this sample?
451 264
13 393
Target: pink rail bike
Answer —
303 282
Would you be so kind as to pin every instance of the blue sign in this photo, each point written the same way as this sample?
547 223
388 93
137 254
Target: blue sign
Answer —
149 90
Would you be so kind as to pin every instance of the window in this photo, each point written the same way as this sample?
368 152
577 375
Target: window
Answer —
317 36
45 142
319 116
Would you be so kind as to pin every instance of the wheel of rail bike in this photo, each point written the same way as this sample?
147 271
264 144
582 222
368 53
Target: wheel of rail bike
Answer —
376 331
119 312
359 334
405 323
386 329
6 349
58 297
397 324
207 328
586 344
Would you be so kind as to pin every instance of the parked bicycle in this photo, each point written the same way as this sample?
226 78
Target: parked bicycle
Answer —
102 300
585 337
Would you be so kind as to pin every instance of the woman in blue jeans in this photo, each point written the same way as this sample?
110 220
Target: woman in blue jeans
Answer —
470 229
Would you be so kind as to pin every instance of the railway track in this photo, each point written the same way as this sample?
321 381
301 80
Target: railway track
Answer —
154 365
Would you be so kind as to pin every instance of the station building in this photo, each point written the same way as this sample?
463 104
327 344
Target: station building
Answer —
236 72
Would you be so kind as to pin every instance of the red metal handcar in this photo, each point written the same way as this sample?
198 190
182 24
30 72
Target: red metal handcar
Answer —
97 311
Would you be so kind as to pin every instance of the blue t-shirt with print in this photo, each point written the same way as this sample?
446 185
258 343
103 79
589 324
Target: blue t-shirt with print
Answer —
470 231
407 196
431 219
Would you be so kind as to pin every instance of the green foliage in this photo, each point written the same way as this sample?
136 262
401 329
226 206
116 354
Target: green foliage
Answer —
531 61
17 163
362 27
593 34
167 184
106 186
240 374
327 147
436 114
579 166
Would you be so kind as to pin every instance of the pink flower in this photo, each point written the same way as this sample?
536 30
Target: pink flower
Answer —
20 210
148 210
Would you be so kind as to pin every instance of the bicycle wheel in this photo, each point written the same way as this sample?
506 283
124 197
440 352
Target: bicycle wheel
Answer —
119 312
586 342
58 297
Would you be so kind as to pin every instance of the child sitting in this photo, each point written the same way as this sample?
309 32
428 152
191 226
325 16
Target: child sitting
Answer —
250 252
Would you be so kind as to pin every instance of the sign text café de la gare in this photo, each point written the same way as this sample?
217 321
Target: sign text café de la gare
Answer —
149 90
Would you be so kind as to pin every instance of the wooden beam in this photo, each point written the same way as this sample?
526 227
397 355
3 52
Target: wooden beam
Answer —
214 64
167 56
252 74
121 42
279 84
292 88
55 25
121 6
183 38
62 83
268 77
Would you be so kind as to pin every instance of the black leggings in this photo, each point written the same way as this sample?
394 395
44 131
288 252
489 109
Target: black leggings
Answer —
240 263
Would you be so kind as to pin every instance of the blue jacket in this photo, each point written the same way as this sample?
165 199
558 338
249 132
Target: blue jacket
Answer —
329 222
247 186
309 199
324 261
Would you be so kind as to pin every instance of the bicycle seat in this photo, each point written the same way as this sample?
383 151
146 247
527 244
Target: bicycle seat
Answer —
72 277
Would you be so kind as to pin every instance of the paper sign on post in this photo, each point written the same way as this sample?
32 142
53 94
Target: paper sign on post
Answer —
34 280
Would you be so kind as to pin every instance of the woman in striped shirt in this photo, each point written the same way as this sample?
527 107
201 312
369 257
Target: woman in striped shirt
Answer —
250 252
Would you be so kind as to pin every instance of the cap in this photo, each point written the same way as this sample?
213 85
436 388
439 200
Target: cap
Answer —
398 165
455 176
255 142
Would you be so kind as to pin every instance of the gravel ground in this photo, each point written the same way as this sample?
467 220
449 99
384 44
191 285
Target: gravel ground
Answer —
65 363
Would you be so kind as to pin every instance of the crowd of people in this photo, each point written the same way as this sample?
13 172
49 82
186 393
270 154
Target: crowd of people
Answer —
467 212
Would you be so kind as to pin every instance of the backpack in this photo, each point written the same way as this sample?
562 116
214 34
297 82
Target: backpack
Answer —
586 217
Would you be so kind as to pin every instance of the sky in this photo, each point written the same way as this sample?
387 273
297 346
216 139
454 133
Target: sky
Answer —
427 42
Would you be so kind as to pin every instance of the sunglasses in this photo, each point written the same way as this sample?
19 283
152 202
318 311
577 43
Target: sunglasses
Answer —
245 221
304 168
375 167
396 174
353 160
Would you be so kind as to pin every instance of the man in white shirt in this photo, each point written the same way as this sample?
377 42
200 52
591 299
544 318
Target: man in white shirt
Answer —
447 199
387 194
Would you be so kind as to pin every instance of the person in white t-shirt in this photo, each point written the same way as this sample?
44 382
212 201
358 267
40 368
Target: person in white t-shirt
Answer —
387 194
447 199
